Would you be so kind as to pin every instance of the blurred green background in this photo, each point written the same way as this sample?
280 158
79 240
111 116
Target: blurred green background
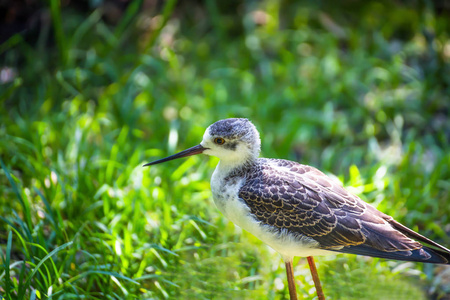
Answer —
91 90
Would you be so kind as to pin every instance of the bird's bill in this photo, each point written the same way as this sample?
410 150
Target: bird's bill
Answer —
188 152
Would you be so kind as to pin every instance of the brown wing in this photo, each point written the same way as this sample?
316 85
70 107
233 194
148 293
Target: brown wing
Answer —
305 201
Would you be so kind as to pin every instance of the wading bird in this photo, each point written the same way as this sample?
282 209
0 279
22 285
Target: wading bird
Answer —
298 210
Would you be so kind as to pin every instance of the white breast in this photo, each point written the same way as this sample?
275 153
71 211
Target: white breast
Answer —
226 198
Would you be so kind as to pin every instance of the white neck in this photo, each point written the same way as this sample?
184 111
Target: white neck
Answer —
227 165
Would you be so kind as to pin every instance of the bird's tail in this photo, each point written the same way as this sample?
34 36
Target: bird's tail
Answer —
425 254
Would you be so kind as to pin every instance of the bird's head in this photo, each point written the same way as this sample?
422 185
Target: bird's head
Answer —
234 141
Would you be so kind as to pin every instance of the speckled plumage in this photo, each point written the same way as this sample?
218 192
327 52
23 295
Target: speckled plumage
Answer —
305 202
298 210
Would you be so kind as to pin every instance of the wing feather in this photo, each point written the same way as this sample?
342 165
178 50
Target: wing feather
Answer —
303 200
299 204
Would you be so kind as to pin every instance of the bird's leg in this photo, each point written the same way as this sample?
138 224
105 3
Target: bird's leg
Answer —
315 276
291 281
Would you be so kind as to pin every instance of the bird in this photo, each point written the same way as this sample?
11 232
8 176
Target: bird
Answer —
298 210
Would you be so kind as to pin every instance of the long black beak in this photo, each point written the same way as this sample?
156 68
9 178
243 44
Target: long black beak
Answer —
188 152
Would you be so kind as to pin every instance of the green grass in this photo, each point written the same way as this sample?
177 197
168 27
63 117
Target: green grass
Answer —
362 93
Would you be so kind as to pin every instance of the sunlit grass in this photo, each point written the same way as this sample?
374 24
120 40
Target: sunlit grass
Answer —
81 218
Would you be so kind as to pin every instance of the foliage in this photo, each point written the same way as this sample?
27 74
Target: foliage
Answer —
362 94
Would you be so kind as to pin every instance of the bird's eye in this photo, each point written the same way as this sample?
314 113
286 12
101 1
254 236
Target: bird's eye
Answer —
219 141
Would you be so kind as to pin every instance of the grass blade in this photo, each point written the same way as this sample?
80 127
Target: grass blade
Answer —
55 10
167 12
56 250
6 265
